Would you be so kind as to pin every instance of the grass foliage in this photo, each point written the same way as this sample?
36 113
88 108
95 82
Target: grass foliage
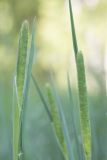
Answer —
75 147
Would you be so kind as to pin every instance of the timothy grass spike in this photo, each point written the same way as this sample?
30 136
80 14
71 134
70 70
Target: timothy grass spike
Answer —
30 61
26 90
19 84
21 62
56 122
83 101
63 121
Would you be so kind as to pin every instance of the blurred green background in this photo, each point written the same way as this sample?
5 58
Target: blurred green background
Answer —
54 53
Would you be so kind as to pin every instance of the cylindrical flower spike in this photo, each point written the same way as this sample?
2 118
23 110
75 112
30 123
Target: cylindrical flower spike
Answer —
83 102
19 84
56 122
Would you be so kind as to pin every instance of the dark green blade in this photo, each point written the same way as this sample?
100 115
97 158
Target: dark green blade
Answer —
42 97
75 45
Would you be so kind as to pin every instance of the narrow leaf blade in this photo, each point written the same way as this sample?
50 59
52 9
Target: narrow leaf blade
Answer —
75 45
78 145
42 97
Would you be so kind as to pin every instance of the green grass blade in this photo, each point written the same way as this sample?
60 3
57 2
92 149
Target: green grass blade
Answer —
66 135
75 45
42 97
78 146
94 149
56 122
16 115
19 84
84 110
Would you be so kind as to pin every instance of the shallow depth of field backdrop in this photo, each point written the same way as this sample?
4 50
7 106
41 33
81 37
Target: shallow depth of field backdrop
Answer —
54 52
